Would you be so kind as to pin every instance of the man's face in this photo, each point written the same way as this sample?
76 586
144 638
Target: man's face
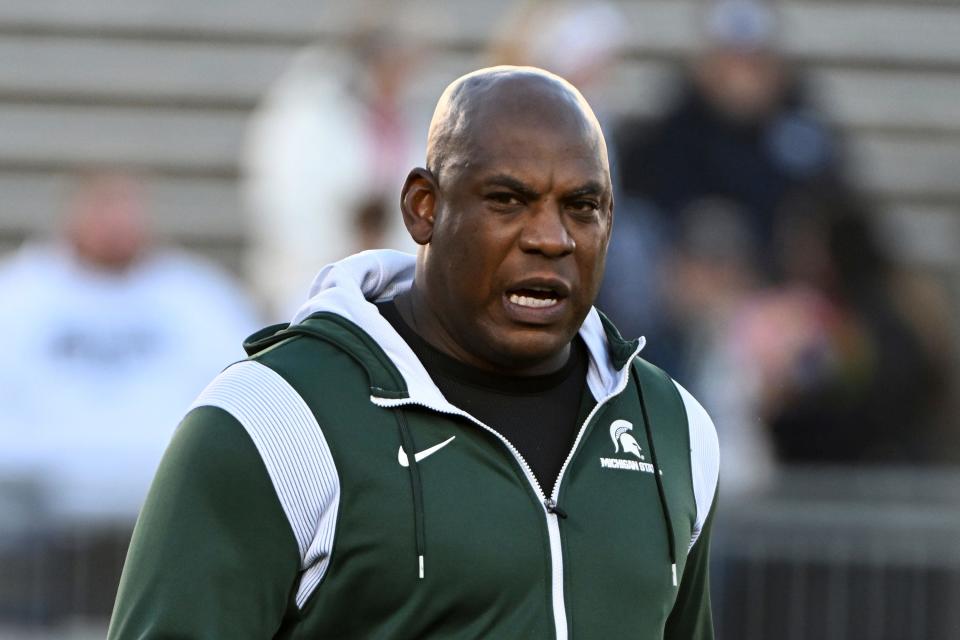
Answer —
519 241
107 226
744 84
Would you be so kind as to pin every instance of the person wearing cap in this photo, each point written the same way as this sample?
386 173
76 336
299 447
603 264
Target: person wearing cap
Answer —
743 128
455 444
740 128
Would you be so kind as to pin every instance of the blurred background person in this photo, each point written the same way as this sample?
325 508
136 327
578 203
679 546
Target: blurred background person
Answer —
864 378
742 127
108 337
549 34
327 151
708 280
825 366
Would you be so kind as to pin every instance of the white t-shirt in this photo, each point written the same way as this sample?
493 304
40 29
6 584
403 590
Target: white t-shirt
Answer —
96 369
310 158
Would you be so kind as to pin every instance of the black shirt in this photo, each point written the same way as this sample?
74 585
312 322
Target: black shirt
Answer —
539 415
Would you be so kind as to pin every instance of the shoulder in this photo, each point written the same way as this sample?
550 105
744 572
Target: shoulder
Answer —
33 266
704 455
328 358
251 392
288 438
278 420
182 276
703 433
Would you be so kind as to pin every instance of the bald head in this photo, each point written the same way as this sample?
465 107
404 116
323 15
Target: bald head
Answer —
483 102
513 215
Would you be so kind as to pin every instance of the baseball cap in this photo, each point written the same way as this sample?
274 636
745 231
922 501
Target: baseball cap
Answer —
741 24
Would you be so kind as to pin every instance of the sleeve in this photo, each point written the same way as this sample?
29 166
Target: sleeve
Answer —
212 554
691 617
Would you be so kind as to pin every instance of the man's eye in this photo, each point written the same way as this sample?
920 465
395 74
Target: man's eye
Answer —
584 206
502 198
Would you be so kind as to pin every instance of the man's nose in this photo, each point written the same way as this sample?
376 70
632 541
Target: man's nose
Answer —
546 233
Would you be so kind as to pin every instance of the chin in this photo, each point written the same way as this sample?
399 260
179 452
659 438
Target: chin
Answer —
527 348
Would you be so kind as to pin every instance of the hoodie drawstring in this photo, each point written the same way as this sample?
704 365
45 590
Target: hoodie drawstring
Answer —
657 474
406 439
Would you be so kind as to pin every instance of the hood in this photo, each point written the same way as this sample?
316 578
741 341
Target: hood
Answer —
349 288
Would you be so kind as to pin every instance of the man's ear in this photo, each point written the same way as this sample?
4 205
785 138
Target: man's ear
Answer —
418 202
610 221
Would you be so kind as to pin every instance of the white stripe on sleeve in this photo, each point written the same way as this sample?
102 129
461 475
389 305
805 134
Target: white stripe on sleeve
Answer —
295 453
704 458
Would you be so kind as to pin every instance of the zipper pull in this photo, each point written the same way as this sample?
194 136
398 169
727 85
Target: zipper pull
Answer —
552 507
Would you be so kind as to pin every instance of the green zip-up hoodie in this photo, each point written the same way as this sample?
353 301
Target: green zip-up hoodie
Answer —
324 488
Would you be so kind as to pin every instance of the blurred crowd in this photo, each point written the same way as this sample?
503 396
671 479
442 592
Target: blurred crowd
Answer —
764 283
744 252
108 339
741 250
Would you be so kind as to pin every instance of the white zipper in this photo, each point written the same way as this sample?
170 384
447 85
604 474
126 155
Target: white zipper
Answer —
583 427
556 564
553 525
553 522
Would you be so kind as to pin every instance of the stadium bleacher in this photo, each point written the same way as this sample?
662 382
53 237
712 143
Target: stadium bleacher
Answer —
168 87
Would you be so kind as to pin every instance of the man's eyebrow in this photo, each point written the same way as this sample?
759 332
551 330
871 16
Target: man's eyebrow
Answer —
504 180
592 188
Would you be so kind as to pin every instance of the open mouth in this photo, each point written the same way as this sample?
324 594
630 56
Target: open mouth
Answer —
534 297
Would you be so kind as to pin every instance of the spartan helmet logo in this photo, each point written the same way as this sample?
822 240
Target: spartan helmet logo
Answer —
620 437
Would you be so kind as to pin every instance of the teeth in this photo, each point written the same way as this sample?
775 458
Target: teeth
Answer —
536 303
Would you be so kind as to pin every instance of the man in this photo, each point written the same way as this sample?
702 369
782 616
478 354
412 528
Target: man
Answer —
98 365
96 368
452 446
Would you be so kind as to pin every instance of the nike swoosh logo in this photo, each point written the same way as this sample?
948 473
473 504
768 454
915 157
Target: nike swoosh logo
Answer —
405 462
